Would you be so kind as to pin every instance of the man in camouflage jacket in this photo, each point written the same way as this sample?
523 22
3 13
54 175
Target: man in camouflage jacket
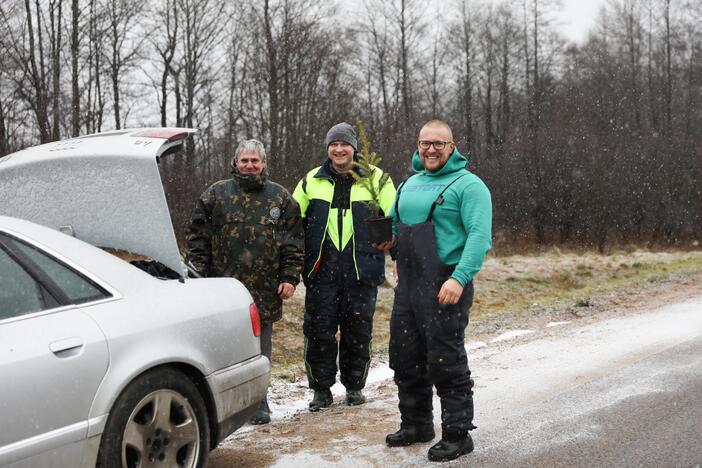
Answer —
249 228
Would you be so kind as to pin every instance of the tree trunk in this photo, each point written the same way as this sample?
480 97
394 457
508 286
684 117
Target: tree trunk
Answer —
40 101
668 71
75 92
56 67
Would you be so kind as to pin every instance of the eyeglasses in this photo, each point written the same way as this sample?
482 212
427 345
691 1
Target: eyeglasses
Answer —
438 145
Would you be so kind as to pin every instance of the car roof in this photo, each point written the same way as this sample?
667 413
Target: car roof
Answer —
104 189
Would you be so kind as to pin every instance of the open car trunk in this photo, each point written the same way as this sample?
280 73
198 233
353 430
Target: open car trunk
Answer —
104 189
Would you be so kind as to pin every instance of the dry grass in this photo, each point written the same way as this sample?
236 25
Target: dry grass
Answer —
509 289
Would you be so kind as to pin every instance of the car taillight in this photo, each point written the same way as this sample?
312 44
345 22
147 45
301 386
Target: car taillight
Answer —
255 319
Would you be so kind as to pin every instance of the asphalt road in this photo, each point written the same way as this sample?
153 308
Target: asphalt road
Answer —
648 413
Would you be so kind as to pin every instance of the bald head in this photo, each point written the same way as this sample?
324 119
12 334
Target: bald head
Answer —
437 124
435 144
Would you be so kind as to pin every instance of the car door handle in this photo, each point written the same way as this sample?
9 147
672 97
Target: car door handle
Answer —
67 347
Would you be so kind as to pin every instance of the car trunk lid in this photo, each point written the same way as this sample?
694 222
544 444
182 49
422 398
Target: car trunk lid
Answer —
104 189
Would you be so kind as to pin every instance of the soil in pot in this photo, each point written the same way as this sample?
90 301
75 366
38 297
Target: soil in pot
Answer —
379 229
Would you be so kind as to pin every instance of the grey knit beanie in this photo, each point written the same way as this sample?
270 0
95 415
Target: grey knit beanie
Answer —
342 132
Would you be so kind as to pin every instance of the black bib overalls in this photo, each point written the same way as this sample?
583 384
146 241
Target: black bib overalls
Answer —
427 338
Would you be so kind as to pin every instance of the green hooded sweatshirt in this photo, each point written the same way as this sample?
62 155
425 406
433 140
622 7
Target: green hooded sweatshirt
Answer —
462 223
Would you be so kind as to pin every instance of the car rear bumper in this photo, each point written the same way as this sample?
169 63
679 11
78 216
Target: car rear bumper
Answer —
237 392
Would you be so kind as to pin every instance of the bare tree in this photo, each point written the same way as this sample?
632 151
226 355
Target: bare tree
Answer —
629 12
379 52
75 52
594 144
651 74
95 94
668 68
124 45
165 45
466 35
55 7
202 22
508 31
36 71
488 46
3 131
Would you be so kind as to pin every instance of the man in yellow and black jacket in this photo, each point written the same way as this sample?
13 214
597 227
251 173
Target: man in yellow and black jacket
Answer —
342 270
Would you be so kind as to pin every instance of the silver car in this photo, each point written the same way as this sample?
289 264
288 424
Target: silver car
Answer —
103 363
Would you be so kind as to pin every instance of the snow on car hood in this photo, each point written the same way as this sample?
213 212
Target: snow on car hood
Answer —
104 189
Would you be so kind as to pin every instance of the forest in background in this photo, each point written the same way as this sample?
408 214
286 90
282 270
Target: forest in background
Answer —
593 144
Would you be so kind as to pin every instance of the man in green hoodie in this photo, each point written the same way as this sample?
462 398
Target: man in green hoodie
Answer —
443 223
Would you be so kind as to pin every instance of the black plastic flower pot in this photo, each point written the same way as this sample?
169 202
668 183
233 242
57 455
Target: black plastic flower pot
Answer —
379 229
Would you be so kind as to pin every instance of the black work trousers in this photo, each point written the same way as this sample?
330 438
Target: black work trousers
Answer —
427 339
337 301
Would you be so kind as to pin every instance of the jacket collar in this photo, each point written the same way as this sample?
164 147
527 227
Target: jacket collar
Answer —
250 182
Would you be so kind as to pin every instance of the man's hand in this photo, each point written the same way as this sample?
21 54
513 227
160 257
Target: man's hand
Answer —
385 245
286 290
450 292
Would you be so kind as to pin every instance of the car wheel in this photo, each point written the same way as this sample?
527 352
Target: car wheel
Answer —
159 420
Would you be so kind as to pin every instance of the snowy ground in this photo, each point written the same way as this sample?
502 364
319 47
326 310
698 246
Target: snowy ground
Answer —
513 371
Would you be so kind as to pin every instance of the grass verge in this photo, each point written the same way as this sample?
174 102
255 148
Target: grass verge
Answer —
510 292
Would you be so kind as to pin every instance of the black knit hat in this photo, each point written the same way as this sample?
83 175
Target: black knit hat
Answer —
342 132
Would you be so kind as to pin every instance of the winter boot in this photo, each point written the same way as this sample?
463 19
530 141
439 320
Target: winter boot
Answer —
409 435
322 399
355 397
450 449
262 415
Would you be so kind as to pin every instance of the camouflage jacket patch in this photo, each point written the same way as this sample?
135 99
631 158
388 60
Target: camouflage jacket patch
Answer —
255 236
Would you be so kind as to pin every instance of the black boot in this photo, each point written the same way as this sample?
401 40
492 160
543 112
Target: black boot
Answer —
322 399
262 415
355 397
409 435
446 450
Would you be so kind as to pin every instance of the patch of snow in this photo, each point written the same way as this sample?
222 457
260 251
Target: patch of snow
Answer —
511 335
556 324
281 409
473 345
301 459
287 398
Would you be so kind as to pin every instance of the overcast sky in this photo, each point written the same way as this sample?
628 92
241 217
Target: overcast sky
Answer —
577 17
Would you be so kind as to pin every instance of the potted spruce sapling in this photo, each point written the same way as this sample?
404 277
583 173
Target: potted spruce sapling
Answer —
379 225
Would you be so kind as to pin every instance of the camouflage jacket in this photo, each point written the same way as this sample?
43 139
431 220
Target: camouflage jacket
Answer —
249 229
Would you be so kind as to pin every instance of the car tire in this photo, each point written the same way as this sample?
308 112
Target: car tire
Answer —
160 418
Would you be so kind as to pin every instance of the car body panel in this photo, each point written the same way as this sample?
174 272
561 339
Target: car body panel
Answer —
229 385
168 333
60 448
202 323
44 371
104 189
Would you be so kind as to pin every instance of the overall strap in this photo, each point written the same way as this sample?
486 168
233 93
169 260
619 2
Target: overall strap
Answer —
440 199
397 198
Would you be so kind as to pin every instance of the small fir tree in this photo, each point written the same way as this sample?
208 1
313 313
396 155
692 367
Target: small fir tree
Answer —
368 162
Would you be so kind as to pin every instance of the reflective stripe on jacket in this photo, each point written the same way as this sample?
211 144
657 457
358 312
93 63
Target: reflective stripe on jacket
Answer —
314 193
